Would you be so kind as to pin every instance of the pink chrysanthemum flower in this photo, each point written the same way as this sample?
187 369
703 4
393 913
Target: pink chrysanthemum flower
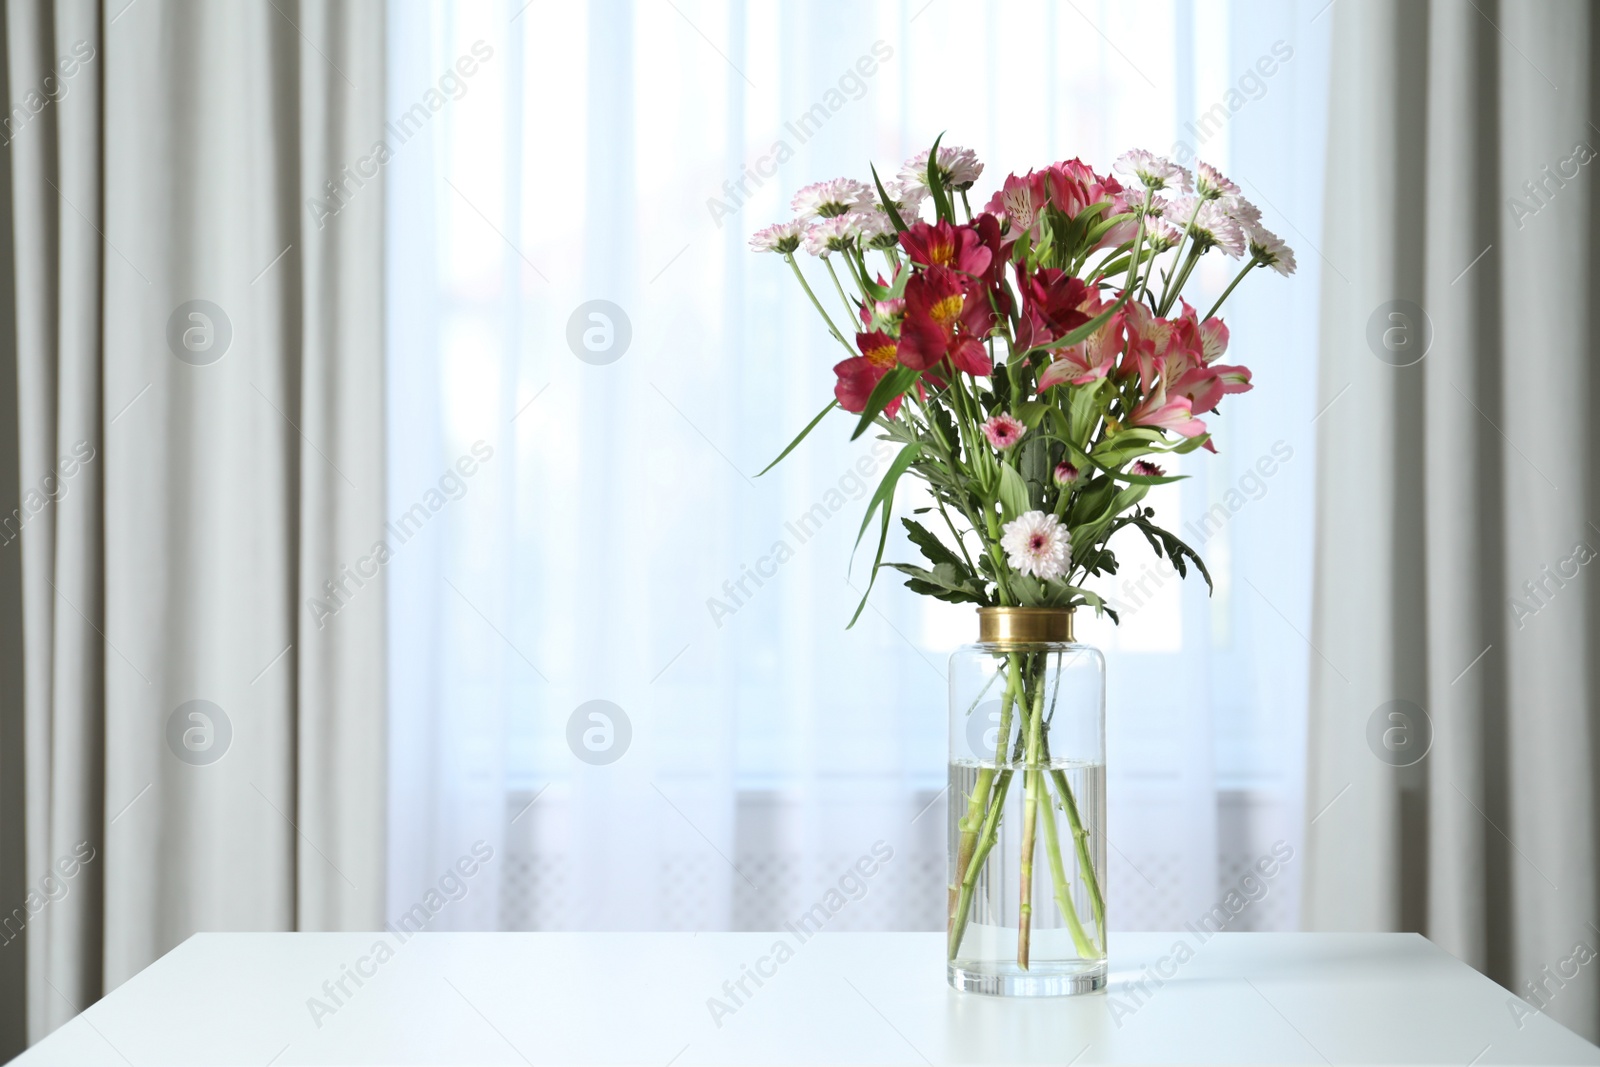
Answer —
834 197
1213 227
1146 469
958 168
780 237
1268 248
1210 183
1152 171
1066 473
1240 209
1036 543
1160 234
888 313
1003 431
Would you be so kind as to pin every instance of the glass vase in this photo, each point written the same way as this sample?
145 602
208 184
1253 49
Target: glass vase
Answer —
1027 802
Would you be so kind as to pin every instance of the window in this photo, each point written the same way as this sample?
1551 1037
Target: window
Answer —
574 311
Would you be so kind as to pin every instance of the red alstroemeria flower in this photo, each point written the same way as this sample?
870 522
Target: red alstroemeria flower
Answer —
1090 359
859 375
943 245
934 328
1051 306
992 298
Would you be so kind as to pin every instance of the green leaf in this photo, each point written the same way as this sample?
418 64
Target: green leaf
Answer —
1175 549
1029 590
1091 502
891 385
1083 408
1013 493
1135 433
882 499
945 581
884 496
941 199
812 425
1031 412
1101 228
933 549
1146 479
888 205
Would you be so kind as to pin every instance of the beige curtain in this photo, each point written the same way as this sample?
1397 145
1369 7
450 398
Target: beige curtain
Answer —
1453 738
192 432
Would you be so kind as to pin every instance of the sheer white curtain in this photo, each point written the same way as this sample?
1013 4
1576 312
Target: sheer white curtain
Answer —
612 544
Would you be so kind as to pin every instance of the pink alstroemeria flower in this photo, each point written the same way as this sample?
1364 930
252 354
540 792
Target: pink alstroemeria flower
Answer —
1160 413
1019 202
1148 339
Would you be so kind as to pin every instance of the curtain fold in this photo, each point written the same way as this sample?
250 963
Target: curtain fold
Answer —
196 739
1453 741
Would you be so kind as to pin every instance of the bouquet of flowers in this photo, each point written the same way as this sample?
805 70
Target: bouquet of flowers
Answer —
1034 362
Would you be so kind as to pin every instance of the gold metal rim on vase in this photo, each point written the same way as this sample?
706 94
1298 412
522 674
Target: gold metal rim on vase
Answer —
1024 626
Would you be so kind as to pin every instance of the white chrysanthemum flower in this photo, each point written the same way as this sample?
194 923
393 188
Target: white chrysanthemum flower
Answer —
1267 247
1152 171
834 197
1036 543
833 235
958 169
780 237
1210 183
907 199
1213 227
874 229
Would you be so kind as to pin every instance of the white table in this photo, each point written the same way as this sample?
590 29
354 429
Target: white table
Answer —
841 999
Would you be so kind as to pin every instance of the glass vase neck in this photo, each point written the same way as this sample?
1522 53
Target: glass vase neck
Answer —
1020 626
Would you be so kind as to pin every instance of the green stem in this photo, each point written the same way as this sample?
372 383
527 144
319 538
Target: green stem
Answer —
1033 785
1177 257
961 542
849 312
1149 269
1058 876
1181 278
1231 286
1085 863
977 803
986 840
837 336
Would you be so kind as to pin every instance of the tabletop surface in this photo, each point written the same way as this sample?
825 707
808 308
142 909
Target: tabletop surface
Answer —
836 998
